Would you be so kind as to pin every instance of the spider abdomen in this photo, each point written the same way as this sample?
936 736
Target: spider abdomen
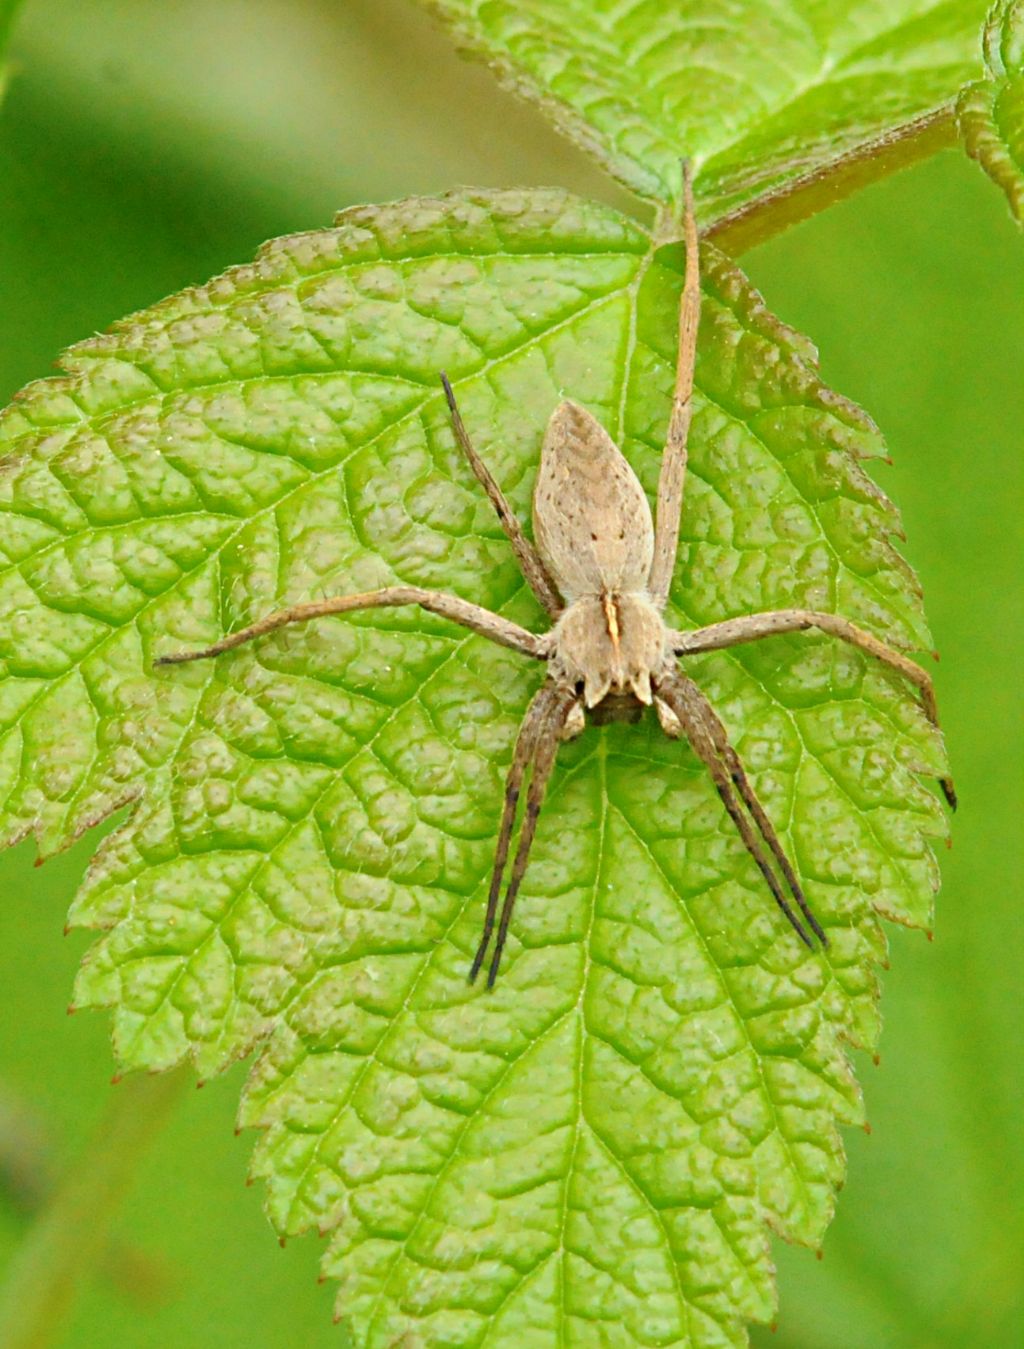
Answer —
591 519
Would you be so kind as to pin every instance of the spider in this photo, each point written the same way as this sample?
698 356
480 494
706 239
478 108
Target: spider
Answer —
601 569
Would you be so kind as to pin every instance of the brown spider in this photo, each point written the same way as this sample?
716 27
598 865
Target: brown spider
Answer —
602 570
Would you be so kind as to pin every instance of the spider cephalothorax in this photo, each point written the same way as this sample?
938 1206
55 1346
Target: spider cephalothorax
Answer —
601 568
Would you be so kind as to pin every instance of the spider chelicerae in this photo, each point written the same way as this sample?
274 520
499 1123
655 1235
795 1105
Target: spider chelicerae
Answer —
601 569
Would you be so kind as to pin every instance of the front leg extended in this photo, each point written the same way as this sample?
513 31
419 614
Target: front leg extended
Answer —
773 622
460 611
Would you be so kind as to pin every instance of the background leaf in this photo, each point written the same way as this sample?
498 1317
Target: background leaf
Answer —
991 111
306 862
757 96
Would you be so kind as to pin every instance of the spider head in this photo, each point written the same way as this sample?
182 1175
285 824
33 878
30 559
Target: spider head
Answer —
611 645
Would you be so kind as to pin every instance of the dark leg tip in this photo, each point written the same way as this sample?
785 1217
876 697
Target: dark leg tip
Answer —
179 657
949 792
815 926
495 963
481 952
798 928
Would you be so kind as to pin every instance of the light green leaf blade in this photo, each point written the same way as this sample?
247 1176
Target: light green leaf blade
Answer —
758 97
991 111
600 1145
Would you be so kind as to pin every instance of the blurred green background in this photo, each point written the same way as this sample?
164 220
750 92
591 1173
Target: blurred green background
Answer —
147 145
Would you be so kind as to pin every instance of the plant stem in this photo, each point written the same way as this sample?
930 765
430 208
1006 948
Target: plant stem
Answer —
765 216
8 12
70 1235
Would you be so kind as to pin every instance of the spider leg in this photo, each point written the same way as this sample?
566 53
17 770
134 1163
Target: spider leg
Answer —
526 744
530 563
548 740
472 616
742 784
673 461
753 627
677 690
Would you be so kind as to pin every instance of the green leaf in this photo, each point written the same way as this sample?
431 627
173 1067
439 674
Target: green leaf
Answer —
760 98
991 111
599 1147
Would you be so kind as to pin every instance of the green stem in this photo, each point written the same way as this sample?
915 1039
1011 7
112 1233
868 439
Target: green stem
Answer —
760 219
71 1234
8 11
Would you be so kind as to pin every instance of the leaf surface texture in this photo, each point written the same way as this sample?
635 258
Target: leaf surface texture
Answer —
992 110
756 95
594 1153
